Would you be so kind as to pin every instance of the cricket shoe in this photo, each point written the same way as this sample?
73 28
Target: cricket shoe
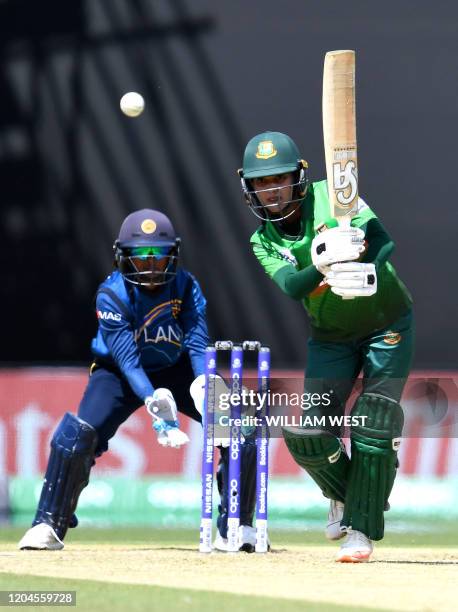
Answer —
40 537
247 540
335 515
357 548
220 543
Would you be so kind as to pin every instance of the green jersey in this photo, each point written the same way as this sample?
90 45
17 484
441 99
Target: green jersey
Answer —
287 260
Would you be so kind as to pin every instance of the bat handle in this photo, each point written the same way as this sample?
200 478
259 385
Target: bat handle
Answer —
344 223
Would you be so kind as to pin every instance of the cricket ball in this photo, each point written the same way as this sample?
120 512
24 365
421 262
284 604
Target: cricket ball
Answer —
132 104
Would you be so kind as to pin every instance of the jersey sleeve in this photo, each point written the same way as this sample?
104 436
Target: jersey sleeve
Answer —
363 215
297 284
380 245
194 321
118 336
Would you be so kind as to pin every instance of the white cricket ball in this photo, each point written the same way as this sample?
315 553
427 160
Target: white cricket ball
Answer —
132 104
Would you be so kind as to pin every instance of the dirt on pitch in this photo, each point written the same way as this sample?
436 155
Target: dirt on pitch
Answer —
396 579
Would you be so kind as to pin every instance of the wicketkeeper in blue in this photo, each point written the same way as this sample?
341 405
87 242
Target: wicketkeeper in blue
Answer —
149 350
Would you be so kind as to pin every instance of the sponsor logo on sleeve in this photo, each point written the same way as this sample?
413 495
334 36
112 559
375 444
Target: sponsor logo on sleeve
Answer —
108 316
287 255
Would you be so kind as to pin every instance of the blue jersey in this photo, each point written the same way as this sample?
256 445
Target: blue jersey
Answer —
144 331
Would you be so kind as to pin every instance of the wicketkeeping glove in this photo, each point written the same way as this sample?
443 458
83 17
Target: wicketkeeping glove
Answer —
352 279
162 407
336 245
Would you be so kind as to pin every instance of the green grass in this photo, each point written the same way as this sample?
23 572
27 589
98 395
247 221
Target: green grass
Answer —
446 535
93 595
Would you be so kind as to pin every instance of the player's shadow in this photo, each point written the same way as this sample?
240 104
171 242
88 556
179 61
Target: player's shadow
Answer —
188 549
405 562
157 548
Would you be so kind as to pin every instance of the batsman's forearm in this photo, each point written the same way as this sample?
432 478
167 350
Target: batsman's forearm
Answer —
297 284
380 245
383 254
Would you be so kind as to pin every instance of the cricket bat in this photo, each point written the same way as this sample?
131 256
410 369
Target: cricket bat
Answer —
339 133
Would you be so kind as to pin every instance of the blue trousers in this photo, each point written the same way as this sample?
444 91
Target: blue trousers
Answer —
109 401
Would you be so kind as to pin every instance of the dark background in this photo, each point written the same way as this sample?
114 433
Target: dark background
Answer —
213 75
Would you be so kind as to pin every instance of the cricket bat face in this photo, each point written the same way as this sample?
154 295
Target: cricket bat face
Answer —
339 130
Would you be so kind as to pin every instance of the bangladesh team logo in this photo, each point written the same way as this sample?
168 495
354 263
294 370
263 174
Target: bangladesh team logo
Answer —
392 337
266 150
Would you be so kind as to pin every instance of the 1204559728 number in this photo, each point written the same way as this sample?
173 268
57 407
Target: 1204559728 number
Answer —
37 598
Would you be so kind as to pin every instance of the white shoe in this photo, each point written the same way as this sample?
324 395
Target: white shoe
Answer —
335 515
219 542
247 540
40 537
357 548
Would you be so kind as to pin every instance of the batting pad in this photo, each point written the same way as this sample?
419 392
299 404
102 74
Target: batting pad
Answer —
373 463
322 456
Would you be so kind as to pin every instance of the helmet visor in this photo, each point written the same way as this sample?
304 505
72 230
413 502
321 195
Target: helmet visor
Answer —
141 252
148 265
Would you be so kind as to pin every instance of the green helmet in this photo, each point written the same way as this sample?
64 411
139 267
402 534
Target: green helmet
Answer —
269 154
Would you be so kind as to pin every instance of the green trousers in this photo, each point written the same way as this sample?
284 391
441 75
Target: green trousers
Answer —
384 359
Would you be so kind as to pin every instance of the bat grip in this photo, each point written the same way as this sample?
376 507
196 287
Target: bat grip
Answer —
344 222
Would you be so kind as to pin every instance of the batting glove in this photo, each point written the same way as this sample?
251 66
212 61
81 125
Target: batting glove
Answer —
352 279
335 245
162 407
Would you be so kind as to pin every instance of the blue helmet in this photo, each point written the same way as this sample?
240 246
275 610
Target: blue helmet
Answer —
148 236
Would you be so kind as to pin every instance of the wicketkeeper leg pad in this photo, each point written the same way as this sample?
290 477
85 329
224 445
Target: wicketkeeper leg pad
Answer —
72 455
323 457
374 444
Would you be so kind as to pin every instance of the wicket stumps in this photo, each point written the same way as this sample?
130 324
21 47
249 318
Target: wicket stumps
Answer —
262 463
